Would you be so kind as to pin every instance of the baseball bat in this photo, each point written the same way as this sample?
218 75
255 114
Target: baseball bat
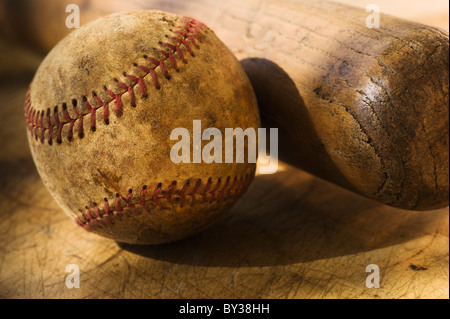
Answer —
365 108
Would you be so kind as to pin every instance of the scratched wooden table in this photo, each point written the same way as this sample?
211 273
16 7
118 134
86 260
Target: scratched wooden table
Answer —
291 236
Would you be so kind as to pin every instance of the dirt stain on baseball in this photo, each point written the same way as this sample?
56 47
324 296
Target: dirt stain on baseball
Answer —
108 180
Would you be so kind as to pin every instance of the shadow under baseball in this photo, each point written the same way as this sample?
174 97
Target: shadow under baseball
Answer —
291 216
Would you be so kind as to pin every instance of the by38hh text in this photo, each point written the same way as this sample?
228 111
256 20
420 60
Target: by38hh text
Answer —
246 308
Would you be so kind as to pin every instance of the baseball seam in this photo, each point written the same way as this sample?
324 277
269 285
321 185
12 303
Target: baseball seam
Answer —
40 122
97 216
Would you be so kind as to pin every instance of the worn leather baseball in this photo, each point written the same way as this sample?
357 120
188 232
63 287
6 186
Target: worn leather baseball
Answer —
100 111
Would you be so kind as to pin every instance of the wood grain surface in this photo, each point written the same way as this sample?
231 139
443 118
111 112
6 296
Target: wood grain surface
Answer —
291 236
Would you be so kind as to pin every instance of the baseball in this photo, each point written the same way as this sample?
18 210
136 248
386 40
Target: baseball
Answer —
100 112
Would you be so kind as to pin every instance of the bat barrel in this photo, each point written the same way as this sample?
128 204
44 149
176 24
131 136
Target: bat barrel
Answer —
366 109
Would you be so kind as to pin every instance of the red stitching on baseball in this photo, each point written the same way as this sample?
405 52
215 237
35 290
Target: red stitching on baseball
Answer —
207 187
32 113
171 188
171 58
196 188
213 192
177 48
142 197
59 126
164 69
92 110
106 207
87 219
222 191
155 79
79 222
92 219
183 193
50 128
97 211
156 193
117 98
129 89
153 61
70 120
80 128
129 200
40 124
35 123
117 205
83 218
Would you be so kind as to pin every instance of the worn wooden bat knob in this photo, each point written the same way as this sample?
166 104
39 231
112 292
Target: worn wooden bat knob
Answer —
367 109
